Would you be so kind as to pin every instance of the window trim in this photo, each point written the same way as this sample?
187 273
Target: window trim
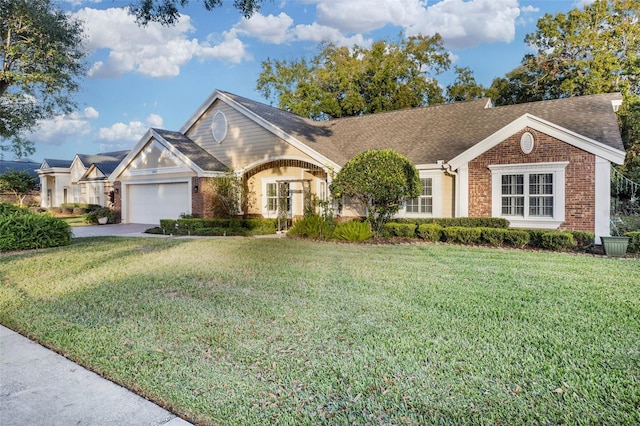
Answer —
436 177
270 213
557 169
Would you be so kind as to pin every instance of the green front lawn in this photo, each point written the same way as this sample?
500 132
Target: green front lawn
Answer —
279 331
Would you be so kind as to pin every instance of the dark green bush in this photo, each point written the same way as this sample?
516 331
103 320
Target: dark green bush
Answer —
465 222
352 231
193 226
493 236
94 215
7 209
634 241
554 240
462 235
504 237
583 240
402 230
430 232
313 226
516 237
33 231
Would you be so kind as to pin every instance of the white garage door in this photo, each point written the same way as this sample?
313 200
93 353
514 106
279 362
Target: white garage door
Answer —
148 203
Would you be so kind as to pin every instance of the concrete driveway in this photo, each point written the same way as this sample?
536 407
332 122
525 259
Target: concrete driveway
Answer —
121 230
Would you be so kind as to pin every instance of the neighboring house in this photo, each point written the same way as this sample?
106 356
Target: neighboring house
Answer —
83 180
19 165
540 165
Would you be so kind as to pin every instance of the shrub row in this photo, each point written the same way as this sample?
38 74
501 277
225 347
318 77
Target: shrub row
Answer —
320 228
466 222
495 236
217 227
21 229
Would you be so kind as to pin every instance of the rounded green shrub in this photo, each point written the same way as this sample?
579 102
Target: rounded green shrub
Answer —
33 231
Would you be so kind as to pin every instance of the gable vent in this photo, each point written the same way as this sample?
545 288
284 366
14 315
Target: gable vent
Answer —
526 142
219 126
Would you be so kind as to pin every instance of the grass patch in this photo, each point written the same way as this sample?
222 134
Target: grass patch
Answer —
279 331
75 221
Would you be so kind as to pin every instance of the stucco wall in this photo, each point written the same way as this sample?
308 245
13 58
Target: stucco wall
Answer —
579 178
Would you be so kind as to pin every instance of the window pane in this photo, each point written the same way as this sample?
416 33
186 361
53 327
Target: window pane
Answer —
512 184
541 206
412 205
513 206
426 205
541 184
427 187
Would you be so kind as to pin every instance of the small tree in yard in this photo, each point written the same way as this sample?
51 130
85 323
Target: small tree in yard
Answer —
20 183
379 179
228 194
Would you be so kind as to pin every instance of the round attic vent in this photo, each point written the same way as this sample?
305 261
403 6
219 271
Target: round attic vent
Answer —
527 142
219 126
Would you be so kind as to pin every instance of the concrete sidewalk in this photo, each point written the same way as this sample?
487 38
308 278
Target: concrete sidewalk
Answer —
40 387
121 230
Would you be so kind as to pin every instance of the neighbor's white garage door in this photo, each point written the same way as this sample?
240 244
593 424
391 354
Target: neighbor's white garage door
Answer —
148 203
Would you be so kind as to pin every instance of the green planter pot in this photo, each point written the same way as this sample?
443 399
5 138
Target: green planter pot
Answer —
615 246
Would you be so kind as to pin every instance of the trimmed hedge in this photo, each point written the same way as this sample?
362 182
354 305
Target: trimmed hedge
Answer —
218 226
21 229
466 222
402 230
430 232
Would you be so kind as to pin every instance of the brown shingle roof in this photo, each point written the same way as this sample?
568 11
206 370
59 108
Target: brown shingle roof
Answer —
441 132
193 151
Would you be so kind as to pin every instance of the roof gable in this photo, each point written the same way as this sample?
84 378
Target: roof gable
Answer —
528 120
174 150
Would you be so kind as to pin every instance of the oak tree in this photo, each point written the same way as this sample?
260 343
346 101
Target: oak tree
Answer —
343 82
167 12
41 59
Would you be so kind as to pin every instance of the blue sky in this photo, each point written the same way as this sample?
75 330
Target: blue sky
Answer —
141 77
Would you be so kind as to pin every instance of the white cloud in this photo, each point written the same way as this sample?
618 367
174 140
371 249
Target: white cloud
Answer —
124 134
228 48
364 16
465 24
271 29
59 129
320 33
529 9
154 50
462 23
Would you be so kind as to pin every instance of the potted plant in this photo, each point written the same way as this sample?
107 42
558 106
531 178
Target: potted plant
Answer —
615 245
101 216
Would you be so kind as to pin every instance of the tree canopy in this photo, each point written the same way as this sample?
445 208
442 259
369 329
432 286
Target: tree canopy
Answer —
41 58
167 12
586 51
381 180
342 82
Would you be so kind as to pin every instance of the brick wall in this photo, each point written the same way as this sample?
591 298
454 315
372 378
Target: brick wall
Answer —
579 178
201 202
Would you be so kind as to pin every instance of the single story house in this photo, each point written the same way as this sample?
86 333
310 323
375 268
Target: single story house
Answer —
83 180
539 165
